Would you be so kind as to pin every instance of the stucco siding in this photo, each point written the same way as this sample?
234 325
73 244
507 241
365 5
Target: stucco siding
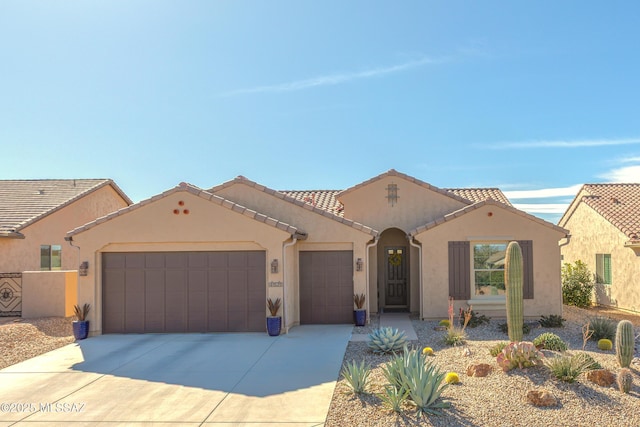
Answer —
487 224
24 254
416 205
198 225
591 235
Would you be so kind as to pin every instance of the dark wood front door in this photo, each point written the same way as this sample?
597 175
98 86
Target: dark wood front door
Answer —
396 276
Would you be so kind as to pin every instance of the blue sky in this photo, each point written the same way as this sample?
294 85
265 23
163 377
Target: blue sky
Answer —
535 98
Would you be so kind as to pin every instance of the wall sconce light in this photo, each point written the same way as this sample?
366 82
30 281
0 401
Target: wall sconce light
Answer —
359 264
83 270
274 266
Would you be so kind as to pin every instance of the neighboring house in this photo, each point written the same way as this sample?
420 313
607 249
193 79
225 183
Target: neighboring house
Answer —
604 223
35 216
191 259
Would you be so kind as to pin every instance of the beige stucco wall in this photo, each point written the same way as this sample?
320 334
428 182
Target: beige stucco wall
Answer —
591 234
477 226
416 205
154 227
324 234
49 293
17 255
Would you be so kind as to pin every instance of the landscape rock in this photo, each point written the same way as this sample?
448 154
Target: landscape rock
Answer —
602 377
479 370
541 398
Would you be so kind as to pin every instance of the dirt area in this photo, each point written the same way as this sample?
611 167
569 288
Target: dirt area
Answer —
616 314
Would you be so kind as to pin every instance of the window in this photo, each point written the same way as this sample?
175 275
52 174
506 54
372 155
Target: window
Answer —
603 268
488 268
50 257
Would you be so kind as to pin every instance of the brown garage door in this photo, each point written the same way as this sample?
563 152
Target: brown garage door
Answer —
183 292
326 287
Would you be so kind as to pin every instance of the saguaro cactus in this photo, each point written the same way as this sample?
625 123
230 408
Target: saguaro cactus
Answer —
513 288
624 343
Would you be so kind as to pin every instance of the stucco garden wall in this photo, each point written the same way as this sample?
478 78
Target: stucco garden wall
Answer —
49 293
591 235
24 254
502 225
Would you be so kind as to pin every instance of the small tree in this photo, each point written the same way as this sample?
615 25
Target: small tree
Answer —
577 284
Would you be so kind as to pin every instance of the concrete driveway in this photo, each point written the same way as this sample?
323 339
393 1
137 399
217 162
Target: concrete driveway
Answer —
199 379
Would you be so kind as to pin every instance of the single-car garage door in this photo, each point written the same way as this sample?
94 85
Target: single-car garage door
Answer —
326 287
183 292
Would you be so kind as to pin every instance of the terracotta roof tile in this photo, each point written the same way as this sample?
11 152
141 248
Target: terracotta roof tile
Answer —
617 203
23 202
479 194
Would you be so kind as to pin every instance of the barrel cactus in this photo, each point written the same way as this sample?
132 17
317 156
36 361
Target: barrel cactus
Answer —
513 281
387 340
624 343
605 344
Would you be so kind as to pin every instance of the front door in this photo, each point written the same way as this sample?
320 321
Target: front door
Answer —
396 276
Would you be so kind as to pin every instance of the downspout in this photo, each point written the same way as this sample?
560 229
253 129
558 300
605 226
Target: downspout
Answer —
284 279
415 245
366 291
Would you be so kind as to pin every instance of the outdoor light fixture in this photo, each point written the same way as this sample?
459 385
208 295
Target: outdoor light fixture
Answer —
274 266
359 264
83 270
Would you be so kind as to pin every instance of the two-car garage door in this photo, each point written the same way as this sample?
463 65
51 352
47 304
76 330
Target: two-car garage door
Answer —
184 292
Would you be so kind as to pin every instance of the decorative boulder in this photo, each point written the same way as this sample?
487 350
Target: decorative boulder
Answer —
541 398
602 377
479 370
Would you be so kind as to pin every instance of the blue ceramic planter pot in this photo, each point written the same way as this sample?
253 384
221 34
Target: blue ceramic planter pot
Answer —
274 324
80 329
360 317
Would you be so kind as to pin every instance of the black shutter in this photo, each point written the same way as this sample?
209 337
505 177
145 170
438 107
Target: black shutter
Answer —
527 268
459 270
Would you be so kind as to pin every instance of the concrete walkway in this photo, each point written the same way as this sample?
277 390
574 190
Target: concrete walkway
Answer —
247 379
399 321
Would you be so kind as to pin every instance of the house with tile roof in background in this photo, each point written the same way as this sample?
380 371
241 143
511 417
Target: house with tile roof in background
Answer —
604 223
35 216
206 260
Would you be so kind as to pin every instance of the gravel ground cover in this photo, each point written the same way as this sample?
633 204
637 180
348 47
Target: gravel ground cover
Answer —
26 338
500 398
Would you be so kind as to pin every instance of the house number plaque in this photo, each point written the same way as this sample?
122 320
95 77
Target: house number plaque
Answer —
276 284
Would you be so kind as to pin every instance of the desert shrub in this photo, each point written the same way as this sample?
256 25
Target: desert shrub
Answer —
550 341
475 319
496 349
577 284
455 336
590 362
567 367
552 321
602 327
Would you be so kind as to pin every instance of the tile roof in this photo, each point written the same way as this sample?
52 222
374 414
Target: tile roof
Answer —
327 199
324 208
479 194
23 202
183 186
617 203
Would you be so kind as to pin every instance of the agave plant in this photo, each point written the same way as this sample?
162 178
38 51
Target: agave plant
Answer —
387 340
424 382
394 398
356 375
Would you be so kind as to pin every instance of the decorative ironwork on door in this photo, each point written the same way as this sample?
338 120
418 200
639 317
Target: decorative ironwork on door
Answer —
396 276
10 294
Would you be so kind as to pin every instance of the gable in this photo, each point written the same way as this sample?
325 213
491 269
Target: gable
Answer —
185 213
397 200
319 224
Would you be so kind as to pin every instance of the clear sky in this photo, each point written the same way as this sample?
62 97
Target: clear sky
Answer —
535 98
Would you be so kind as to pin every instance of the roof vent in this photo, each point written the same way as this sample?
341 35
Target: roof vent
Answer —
40 191
615 200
